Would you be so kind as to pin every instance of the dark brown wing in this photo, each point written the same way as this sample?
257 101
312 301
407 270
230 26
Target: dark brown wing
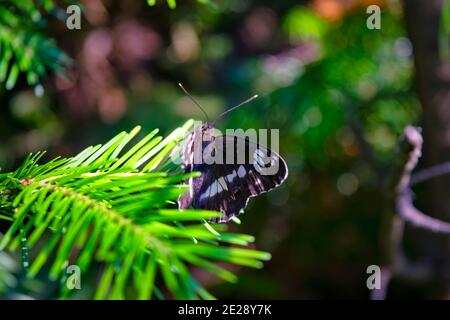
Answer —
228 185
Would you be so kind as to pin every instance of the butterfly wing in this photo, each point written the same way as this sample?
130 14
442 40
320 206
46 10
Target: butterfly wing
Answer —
244 170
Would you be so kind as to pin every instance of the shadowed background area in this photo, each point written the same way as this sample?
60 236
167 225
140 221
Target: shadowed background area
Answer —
340 94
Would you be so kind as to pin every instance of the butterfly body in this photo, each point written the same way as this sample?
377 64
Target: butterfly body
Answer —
233 169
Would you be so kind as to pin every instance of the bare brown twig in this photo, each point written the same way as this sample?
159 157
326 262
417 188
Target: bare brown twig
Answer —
403 193
434 171
404 211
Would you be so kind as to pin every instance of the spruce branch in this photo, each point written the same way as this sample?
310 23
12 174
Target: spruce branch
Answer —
116 206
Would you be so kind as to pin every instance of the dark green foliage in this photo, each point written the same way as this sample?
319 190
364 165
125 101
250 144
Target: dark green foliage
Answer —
23 46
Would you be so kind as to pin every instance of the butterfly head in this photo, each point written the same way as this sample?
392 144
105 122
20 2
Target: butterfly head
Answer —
207 126
206 131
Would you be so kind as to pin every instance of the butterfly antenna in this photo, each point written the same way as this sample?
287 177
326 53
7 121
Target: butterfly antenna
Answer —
235 107
193 100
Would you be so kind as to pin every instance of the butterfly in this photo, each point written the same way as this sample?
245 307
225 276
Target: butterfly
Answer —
245 169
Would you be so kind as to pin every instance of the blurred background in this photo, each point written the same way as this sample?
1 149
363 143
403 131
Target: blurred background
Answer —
340 93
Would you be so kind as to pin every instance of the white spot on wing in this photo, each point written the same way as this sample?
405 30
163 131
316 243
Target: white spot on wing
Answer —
260 153
273 160
223 183
241 172
213 189
231 176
